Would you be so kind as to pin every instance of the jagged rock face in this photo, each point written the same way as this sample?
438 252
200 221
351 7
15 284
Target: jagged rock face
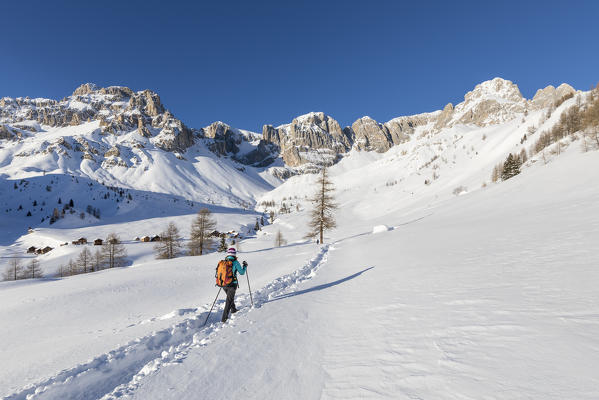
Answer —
490 102
147 101
371 136
225 139
5 133
119 110
549 95
84 89
262 156
445 116
113 152
315 138
401 128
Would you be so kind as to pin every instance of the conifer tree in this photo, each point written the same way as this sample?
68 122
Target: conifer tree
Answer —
201 229
511 167
321 216
222 247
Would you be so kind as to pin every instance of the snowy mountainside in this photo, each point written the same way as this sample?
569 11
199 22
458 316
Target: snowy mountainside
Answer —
129 139
315 139
133 161
434 166
436 283
486 295
113 130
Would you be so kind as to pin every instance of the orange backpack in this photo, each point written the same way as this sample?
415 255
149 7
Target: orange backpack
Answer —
224 273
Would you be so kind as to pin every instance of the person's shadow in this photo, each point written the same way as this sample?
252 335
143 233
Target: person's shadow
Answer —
320 287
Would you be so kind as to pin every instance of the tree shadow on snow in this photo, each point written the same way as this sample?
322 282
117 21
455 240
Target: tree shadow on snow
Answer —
320 287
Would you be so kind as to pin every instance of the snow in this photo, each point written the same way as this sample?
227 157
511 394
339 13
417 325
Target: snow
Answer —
380 229
490 294
418 293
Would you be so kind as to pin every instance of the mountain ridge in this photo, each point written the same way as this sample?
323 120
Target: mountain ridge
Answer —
308 141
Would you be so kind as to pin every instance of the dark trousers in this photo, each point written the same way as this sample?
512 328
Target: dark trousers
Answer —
230 304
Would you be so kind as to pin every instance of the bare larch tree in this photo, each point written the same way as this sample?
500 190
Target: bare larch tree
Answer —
201 229
113 251
14 270
97 260
321 216
169 245
84 260
280 240
33 269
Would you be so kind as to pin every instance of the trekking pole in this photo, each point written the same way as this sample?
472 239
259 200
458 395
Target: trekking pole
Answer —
249 288
219 289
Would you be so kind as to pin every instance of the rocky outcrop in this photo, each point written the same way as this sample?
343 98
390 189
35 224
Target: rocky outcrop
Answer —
444 117
310 138
113 152
369 135
225 140
490 102
262 156
550 95
147 101
118 109
84 89
5 133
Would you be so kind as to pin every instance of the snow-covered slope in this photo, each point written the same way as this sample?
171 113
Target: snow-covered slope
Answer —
127 139
489 295
437 283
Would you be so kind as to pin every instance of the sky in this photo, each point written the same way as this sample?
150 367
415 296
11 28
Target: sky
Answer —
250 63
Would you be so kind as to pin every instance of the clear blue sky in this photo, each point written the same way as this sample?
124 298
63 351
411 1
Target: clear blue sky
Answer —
250 62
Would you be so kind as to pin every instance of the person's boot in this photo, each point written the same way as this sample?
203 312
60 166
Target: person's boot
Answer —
234 310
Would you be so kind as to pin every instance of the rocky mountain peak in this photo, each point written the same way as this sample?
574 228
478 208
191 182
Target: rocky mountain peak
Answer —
84 89
549 95
310 138
118 109
491 102
495 89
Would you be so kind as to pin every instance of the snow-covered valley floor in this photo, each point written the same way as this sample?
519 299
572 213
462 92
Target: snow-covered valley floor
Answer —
489 295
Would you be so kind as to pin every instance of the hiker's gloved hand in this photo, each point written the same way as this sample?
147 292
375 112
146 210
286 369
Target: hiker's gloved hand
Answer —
245 264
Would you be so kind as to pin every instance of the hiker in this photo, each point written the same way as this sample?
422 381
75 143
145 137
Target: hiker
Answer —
226 277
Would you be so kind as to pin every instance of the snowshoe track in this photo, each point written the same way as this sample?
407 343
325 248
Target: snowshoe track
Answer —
118 373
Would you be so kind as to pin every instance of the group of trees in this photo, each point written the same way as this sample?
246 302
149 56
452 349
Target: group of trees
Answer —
16 271
111 255
201 240
510 167
577 118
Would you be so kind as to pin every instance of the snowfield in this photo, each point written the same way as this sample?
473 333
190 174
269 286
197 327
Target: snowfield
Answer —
436 284
491 294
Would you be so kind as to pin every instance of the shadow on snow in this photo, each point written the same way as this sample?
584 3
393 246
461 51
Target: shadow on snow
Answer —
320 287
